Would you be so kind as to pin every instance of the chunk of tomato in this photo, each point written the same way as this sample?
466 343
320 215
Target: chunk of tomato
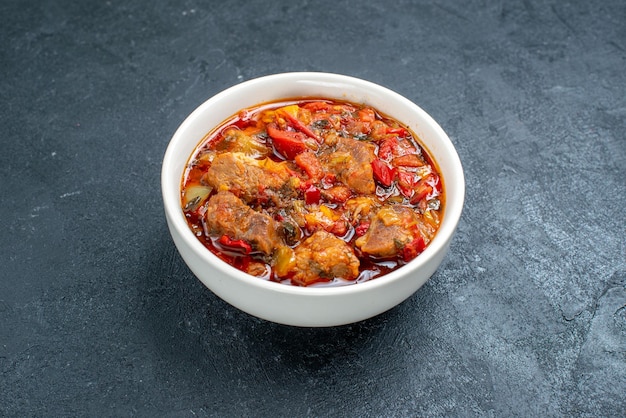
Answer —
406 182
387 147
401 132
309 162
413 248
425 188
361 229
287 143
382 172
237 245
312 195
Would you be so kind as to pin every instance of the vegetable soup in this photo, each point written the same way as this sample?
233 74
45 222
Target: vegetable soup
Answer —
313 192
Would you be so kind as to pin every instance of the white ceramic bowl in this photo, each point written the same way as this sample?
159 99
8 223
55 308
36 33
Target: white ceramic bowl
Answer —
307 306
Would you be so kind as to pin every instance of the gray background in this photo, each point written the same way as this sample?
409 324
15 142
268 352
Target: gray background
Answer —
525 317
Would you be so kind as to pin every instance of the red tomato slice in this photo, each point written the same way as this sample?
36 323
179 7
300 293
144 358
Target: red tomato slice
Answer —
422 190
287 143
387 147
361 229
401 132
406 181
382 172
436 182
309 163
312 195
413 248
238 245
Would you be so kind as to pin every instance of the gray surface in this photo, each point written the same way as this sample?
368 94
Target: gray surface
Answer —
526 316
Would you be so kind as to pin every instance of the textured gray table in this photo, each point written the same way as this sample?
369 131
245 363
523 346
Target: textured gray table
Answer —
99 315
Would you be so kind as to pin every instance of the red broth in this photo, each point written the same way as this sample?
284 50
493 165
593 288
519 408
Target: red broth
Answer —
313 192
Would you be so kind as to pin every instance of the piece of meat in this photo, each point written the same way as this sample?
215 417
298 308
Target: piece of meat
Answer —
248 178
226 214
391 229
351 162
324 256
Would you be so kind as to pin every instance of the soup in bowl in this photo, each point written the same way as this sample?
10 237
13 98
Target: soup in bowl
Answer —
311 199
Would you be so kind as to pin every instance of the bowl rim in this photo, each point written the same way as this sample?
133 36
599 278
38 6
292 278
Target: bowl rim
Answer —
176 219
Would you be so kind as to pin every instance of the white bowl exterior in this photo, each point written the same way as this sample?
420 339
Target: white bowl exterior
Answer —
310 306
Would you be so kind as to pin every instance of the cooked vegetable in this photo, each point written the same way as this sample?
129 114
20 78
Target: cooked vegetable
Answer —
235 244
313 191
195 195
288 143
382 172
